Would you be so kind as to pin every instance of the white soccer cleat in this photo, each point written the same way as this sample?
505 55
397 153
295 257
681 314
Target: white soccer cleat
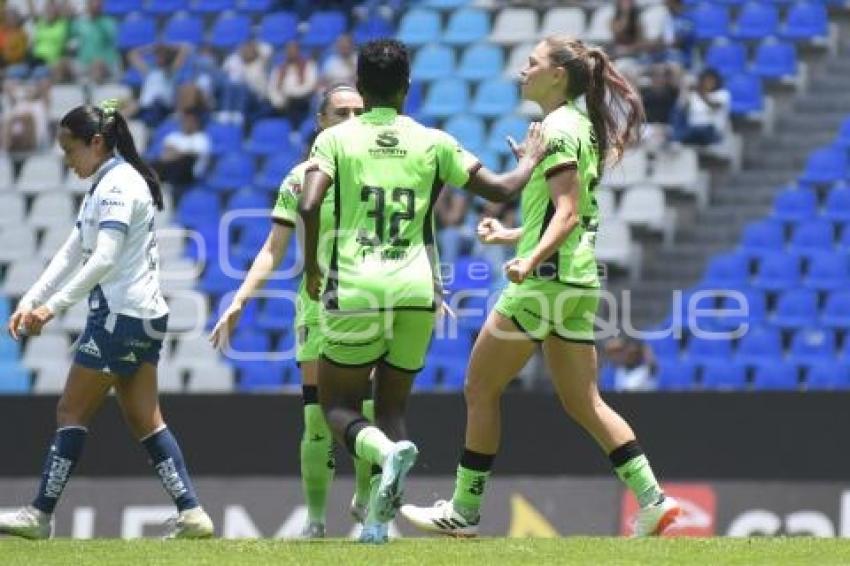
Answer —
313 530
27 522
653 520
190 524
357 510
391 486
375 533
441 519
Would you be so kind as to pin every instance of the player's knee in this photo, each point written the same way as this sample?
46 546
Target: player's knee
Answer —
67 414
480 391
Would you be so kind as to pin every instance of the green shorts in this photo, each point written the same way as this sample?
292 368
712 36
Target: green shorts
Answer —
543 308
308 345
401 338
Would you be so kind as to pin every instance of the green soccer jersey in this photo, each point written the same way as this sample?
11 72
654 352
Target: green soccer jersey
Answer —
387 171
286 210
571 144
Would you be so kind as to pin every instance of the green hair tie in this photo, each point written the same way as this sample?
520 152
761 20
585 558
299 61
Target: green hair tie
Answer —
110 106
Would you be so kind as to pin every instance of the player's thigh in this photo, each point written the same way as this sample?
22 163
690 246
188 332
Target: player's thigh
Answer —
138 398
354 340
408 340
307 351
84 392
342 386
392 387
501 350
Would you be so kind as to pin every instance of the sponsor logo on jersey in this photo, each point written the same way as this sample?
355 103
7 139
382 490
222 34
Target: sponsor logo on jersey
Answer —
387 143
91 348
131 358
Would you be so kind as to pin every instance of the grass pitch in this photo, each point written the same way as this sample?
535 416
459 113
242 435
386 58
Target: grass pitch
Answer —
431 551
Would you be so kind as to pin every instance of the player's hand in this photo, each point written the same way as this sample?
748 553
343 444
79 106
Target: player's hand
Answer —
534 145
226 324
37 319
518 269
516 149
313 277
16 325
489 230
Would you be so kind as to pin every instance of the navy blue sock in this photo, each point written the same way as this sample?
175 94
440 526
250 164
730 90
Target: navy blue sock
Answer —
59 465
168 462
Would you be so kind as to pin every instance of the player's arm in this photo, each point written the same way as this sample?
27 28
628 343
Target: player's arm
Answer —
492 231
507 186
316 184
564 192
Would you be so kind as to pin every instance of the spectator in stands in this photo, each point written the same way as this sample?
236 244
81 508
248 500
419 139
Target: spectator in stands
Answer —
157 98
13 39
93 38
626 29
632 363
246 74
659 101
292 84
453 237
185 153
50 36
191 98
24 126
341 66
704 117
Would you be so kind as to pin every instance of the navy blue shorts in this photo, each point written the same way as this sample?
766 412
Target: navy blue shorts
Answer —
119 344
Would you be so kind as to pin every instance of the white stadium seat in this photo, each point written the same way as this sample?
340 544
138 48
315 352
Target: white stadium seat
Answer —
194 351
46 349
644 205
54 237
614 245
169 378
652 21
41 173
12 209
630 170
21 275
514 25
5 174
18 245
599 27
606 201
563 21
50 209
214 378
189 311
64 98
50 377
679 169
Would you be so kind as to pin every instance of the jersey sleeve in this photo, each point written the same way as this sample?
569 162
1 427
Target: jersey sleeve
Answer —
286 206
456 164
115 207
561 153
323 155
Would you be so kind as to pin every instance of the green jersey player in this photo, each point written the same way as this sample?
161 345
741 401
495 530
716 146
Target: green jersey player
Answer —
553 295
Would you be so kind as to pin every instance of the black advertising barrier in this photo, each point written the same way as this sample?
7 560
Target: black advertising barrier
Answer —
756 436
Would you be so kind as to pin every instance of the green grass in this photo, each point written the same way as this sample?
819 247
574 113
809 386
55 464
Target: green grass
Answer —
422 552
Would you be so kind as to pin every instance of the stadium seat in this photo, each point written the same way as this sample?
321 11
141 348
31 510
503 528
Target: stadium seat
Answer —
232 171
812 237
675 375
843 138
12 209
653 20
248 342
267 136
276 315
14 379
775 59
836 310
805 21
664 347
837 205
708 349
198 206
631 170
433 62
18 244
480 61
50 209
514 25
796 308
828 375
374 27
426 380
746 93
606 203
827 271
224 138
469 273
599 27
710 21
135 30
566 21
230 30
812 345
756 20
324 26
495 97
213 6
213 378
614 245
419 27
278 28
795 205
189 310
468 130
275 168
445 4
248 200
826 165
508 125
759 344
183 28
644 205
50 378
215 281
165 7
726 57
255 6
777 271
121 7
446 97
517 60
721 375
737 310
466 26
762 237
774 375
731 270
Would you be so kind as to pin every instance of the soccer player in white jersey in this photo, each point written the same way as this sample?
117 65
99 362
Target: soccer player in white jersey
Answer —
111 256
339 103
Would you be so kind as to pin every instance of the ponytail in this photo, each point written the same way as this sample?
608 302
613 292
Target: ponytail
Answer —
613 106
127 149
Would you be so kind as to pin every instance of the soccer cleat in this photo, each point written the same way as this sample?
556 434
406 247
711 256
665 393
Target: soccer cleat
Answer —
391 487
357 510
190 524
653 520
375 533
441 519
313 530
27 522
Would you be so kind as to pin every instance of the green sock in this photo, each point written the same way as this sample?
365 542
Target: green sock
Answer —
469 491
317 462
372 445
363 468
638 477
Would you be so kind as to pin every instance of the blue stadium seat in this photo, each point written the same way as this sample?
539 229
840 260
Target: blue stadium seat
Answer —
805 21
249 311
796 308
276 315
675 376
261 376
775 59
433 62
121 7
843 138
268 136
165 7
246 341
446 97
374 27
466 26
726 57
828 375
248 199
213 6
710 21
255 6
495 97
727 271
795 205
762 237
278 28
812 345
490 160
665 348
723 375
418 27
9 350
467 129
224 138
324 26
836 310
230 30
481 61
756 20
704 350
136 30
749 309
215 282
232 171
760 343
453 377
812 237
509 125
183 28
445 4
826 165
14 379
827 272
777 271
426 380
198 206
5 311
775 376
275 168
837 205
746 93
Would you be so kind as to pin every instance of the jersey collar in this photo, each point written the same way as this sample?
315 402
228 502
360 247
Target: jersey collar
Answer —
107 166
380 115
